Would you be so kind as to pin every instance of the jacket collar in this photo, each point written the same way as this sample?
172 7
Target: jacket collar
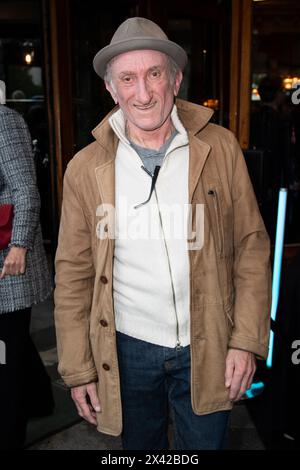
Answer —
193 117
117 123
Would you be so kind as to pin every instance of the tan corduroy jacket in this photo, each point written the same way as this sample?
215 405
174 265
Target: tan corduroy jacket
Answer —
230 277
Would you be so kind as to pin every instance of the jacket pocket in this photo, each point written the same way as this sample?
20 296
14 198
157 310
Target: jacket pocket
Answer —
217 220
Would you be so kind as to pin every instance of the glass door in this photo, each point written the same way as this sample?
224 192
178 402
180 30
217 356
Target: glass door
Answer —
202 28
22 71
275 109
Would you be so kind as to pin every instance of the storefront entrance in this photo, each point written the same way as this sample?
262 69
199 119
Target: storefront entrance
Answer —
46 53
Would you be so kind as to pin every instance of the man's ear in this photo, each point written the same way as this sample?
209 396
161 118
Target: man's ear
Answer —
111 91
178 80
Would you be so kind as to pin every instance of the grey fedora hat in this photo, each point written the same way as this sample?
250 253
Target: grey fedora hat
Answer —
134 34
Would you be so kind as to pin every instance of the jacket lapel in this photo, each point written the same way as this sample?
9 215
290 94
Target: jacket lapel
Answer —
105 171
105 177
199 151
194 118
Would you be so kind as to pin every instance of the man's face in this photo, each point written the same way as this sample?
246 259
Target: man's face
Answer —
141 85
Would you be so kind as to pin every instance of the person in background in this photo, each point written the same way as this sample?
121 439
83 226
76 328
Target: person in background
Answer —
270 132
24 279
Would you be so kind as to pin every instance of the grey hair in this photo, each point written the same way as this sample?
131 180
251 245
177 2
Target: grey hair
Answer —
173 70
108 74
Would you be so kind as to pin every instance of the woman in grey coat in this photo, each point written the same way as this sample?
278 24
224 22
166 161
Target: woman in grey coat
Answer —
24 274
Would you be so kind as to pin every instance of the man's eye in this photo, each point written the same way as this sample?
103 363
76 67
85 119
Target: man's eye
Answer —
127 79
155 74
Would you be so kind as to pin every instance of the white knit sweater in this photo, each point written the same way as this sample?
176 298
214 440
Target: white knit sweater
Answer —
143 265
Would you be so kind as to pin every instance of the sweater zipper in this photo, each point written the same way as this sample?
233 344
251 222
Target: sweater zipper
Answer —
178 344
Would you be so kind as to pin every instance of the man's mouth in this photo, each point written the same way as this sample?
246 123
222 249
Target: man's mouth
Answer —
143 108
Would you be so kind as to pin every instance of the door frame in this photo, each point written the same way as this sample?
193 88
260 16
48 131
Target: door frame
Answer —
240 70
58 66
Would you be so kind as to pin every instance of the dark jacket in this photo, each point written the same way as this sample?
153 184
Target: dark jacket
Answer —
18 187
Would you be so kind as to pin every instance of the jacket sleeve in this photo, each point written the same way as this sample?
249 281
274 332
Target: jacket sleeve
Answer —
17 167
252 270
74 288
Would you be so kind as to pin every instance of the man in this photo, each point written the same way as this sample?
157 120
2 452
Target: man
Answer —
151 321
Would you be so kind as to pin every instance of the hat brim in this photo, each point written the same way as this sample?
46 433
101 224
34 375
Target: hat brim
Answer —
102 58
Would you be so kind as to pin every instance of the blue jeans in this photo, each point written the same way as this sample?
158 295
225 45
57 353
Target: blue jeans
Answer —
156 379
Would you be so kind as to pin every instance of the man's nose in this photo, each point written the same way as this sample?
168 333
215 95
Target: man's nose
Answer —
143 92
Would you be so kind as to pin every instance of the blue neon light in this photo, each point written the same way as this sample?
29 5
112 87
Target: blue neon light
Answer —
277 264
254 390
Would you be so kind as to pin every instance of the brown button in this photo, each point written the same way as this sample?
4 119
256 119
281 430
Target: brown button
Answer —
106 367
103 322
104 279
106 228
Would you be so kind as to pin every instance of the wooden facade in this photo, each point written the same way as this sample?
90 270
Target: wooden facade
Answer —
218 37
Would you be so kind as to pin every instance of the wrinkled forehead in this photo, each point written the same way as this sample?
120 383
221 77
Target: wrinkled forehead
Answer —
139 60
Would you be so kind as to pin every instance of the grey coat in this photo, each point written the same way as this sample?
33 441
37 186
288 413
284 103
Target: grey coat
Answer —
18 187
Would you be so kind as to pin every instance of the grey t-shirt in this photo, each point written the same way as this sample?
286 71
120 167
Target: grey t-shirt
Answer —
150 157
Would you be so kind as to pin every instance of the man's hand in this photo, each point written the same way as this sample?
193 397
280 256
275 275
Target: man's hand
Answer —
15 262
240 369
86 410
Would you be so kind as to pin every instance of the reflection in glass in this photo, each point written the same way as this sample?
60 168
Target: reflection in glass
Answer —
275 119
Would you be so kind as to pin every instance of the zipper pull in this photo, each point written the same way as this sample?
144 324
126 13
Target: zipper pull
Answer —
147 171
154 178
